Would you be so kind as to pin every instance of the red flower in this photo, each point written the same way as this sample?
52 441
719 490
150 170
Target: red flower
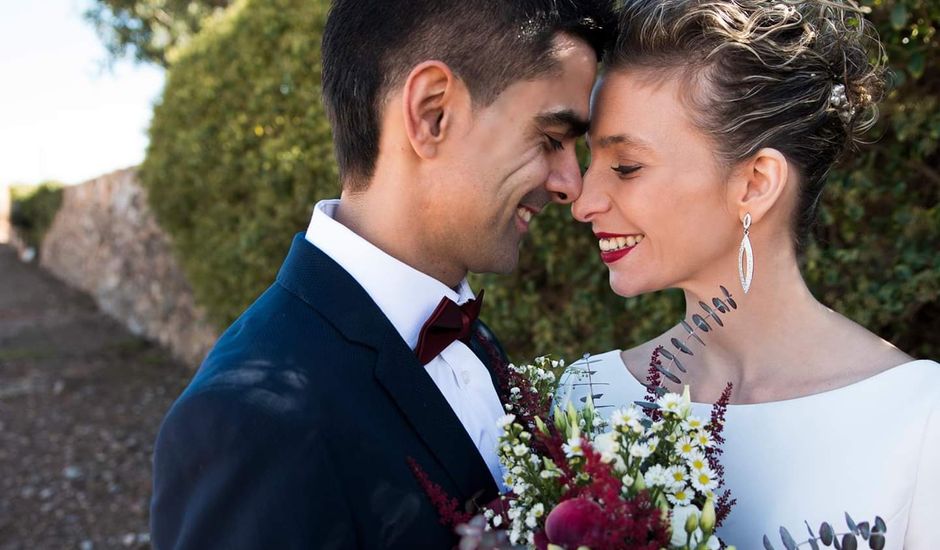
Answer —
574 521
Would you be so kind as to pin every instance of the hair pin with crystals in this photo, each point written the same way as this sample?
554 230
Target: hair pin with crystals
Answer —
839 101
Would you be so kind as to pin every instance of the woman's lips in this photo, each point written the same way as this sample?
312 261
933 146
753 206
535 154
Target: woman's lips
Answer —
615 246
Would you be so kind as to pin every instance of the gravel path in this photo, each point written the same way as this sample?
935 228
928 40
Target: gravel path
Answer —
80 403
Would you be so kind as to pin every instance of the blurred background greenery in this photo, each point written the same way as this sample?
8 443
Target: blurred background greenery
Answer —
32 209
240 151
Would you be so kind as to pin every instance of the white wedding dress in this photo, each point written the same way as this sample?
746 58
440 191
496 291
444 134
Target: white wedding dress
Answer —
870 448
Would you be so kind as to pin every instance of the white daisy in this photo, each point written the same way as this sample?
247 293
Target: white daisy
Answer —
681 497
670 403
686 445
704 479
704 439
573 447
628 417
697 461
677 476
692 423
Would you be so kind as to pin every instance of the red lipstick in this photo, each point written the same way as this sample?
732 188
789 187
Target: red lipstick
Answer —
612 256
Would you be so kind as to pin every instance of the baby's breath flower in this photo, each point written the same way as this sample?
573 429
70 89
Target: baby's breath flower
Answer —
531 521
656 476
640 450
505 421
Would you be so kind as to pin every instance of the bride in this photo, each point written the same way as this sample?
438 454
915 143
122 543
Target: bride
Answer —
713 131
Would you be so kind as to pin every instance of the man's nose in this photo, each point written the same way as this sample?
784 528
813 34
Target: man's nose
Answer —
565 182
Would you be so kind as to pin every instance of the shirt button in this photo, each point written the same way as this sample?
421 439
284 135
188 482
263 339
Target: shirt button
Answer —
465 376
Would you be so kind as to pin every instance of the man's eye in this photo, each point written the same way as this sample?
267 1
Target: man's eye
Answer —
625 169
553 143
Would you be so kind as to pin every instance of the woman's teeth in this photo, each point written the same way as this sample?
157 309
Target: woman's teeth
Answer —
525 214
616 243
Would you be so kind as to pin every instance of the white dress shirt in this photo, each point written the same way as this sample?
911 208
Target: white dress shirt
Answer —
408 297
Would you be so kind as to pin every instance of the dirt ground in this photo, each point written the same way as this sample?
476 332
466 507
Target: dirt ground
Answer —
81 400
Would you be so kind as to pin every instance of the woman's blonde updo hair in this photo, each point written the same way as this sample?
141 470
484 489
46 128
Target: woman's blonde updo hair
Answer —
803 77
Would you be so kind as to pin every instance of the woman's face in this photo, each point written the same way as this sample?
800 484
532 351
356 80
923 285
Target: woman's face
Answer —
654 194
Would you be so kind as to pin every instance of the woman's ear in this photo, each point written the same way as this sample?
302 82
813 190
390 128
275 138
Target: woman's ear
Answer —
760 183
428 102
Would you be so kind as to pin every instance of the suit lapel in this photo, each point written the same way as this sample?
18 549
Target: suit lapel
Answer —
319 281
418 398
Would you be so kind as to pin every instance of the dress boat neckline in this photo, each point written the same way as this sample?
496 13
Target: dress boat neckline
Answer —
779 402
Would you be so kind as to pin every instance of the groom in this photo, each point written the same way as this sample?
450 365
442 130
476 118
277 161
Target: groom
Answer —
453 124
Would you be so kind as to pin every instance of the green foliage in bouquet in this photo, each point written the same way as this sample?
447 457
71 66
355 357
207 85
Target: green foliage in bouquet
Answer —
240 151
827 536
240 148
33 209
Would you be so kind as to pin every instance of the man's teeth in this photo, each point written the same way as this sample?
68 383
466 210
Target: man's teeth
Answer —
525 214
616 243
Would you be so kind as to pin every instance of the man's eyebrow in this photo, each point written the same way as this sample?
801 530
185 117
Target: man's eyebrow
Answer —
574 124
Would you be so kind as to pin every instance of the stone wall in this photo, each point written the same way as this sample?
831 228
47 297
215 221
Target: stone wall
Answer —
106 241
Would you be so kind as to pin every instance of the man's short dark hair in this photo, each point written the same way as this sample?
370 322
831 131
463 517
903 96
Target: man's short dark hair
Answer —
370 46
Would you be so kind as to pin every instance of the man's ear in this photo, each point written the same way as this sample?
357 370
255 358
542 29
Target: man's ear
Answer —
759 183
428 99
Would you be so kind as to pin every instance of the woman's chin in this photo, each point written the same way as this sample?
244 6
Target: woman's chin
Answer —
628 287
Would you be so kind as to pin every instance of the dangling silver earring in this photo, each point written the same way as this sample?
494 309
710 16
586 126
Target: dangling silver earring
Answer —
746 254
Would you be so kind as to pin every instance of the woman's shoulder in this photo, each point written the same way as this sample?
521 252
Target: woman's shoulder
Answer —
920 377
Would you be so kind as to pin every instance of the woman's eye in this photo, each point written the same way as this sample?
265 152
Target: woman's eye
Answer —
625 169
553 143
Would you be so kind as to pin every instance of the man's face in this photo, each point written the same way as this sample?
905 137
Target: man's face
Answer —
510 160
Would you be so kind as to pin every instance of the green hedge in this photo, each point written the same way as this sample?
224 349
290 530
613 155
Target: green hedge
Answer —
240 151
240 148
33 208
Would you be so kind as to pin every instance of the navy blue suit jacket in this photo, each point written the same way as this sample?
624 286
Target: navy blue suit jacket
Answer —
295 431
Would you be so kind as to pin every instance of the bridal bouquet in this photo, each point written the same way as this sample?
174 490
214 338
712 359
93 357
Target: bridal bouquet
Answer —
647 478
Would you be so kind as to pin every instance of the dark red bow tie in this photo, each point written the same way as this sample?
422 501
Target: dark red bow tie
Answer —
447 324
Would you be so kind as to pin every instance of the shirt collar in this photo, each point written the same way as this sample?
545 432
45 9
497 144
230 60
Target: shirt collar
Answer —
405 295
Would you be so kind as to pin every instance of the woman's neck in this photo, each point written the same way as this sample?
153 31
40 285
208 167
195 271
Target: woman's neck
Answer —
768 338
